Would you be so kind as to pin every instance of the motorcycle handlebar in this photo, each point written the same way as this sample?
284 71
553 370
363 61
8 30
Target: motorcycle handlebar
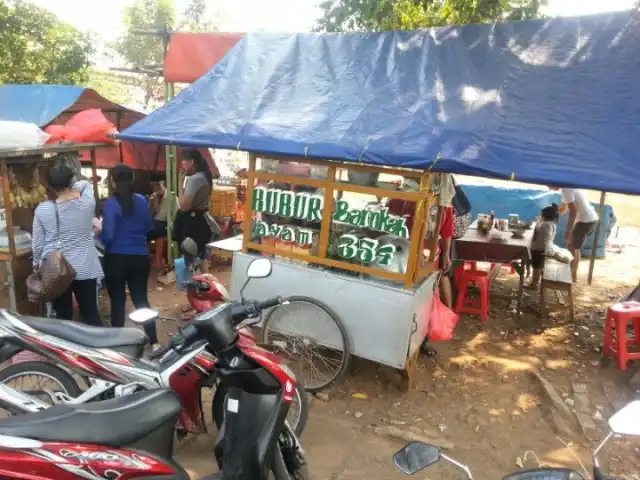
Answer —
242 311
239 313
272 302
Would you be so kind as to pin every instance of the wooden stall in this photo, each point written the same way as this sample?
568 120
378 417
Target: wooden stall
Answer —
17 168
332 235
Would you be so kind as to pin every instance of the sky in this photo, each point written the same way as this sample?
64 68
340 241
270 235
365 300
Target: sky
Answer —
104 18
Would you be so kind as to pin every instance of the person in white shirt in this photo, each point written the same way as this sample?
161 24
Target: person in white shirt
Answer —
583 219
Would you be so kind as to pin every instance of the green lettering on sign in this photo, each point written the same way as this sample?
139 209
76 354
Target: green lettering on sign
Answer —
305 237
288 234
342 211
348 247
261 229
313 213
300 205
257 201
385 254
366 250
285 207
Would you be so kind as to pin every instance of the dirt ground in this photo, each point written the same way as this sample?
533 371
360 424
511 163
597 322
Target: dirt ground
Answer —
477 394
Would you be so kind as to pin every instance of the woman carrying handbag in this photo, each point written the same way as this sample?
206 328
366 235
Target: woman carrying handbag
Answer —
63 244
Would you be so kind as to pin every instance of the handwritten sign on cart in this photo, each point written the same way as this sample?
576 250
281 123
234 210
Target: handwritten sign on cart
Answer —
308 207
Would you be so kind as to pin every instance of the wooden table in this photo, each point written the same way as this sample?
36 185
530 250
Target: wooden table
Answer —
496 247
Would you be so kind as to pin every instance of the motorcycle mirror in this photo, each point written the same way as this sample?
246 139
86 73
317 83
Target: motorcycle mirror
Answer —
259 268
626 421
143 315
416 456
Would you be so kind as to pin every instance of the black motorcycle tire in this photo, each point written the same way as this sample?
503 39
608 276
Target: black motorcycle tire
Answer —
218 407
279 469
64 379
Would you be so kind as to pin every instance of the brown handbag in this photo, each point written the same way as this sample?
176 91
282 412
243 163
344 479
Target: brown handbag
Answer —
55 274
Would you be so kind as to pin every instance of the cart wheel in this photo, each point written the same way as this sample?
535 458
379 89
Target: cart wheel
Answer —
293 328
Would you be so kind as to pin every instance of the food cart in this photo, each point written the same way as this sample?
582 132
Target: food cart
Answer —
361 261
20 167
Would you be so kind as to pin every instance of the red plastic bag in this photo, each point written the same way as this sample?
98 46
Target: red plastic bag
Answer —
89 126
56 132
442 322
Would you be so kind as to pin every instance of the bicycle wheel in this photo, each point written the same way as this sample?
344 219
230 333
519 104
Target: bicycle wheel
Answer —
312 337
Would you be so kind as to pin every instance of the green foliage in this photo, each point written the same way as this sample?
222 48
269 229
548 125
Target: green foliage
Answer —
197 17
148 50
36 47
381 15
145 15
157 15
117 88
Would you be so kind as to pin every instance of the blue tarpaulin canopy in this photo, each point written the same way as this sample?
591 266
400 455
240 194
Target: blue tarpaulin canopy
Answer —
543 101
46 104
41 104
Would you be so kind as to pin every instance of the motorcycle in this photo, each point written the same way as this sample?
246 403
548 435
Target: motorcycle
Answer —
417 456
71 441
111 361
204 291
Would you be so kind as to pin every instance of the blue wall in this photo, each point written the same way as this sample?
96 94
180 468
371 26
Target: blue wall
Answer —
527 202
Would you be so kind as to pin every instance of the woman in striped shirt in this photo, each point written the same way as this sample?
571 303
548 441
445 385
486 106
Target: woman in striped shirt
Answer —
76 208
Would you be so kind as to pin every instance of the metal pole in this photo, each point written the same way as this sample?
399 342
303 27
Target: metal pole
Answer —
596 234
94 180
170 157
174 183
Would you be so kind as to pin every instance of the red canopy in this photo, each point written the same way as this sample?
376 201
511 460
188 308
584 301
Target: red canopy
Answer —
191 55
141 156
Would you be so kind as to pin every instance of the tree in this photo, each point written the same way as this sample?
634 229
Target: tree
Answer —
148 50
197 17
120 89
377 15
36 47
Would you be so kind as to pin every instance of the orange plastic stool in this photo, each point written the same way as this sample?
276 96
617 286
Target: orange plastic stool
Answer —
501 265
475 307
616 339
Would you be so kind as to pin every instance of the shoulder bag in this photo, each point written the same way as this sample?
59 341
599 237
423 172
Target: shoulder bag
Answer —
55 274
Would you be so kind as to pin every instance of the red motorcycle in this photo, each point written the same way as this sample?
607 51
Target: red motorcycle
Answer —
111 362
132 437
204 291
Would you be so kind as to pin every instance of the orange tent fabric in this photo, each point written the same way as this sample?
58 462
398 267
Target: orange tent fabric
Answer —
191 55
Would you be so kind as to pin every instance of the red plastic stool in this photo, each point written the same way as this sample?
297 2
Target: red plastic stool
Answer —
462 267
475 307
616 338
501 265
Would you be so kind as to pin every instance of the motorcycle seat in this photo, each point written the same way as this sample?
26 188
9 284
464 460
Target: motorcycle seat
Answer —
95 337
117 422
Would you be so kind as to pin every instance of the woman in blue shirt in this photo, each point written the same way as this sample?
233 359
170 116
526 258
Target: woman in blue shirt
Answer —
125 224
